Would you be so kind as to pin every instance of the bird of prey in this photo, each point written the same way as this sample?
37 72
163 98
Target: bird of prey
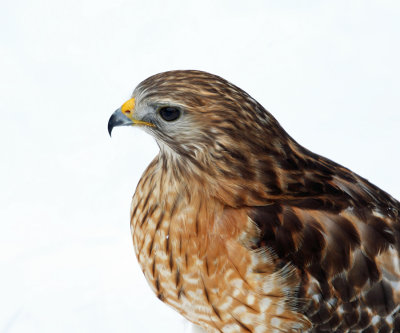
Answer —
241 229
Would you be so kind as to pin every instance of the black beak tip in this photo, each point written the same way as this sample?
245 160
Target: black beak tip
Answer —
111 123
110 128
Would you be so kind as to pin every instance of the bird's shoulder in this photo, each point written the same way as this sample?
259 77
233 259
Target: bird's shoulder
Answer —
342 234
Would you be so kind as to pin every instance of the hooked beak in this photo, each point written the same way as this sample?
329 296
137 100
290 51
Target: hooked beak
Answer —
118 119
124 116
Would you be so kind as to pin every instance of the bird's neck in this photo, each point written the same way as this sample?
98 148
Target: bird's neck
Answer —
180 185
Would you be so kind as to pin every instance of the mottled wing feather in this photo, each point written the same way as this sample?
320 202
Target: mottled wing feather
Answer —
343 236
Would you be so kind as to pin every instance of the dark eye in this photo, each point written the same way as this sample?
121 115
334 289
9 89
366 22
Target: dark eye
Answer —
169 113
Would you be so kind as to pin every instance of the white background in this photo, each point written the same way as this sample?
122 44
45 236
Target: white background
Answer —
328 70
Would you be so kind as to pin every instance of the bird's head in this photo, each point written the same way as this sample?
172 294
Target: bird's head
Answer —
204 123
189 112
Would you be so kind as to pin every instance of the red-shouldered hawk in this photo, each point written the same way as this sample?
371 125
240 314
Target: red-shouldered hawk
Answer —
241 229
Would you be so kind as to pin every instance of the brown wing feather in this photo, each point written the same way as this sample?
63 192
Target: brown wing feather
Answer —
342 234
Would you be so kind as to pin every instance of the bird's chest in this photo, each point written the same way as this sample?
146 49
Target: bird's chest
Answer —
175 260
210 277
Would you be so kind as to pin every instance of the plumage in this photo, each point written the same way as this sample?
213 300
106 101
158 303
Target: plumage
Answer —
241 229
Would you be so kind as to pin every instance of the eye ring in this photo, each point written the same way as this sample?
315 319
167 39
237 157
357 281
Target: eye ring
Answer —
169 113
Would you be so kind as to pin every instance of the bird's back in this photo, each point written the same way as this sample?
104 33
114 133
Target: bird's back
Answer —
342 234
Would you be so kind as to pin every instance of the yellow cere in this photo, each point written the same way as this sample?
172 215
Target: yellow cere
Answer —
128 106
127 109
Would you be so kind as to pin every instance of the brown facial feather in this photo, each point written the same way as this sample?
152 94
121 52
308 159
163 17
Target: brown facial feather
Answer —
241 229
